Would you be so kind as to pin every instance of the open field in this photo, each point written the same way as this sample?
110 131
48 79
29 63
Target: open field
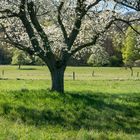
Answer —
82 73
103 107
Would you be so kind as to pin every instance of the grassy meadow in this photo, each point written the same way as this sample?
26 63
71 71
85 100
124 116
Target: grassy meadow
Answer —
100 106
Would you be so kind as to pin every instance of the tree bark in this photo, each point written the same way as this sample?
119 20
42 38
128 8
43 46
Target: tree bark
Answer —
57 78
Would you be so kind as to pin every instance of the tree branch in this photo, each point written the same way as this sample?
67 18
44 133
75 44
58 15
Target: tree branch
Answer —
81 11
61 23
29 29
93 4
18 45
37 25
129 23
93 42
126 4
9 14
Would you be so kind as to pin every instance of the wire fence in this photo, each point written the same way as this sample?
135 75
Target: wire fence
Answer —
72 75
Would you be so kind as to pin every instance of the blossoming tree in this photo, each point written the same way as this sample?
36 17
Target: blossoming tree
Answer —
55 30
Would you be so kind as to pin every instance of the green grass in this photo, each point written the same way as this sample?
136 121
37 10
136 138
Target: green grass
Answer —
103 107
82 73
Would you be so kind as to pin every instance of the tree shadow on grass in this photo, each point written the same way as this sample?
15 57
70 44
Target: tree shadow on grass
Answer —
103 112
27 69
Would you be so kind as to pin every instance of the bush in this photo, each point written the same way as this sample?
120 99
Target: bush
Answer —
5 54
115 61
137 63
38 61
99 57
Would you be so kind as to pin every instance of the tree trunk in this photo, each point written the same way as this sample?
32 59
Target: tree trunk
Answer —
131 71
57 77
19 66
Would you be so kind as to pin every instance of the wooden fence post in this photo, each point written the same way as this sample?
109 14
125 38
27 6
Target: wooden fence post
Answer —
2 72
137 74
93 73
73 75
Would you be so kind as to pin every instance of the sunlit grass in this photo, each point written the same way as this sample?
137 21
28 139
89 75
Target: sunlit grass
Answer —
81 73
100 109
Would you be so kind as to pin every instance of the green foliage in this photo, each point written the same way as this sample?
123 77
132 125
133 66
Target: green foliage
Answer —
38 61
130 50
115 61
99 57
20 58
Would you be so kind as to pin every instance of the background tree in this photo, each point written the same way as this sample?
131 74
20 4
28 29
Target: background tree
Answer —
5 54
74 26
117 39
20 58
131 49
37 61
99 57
